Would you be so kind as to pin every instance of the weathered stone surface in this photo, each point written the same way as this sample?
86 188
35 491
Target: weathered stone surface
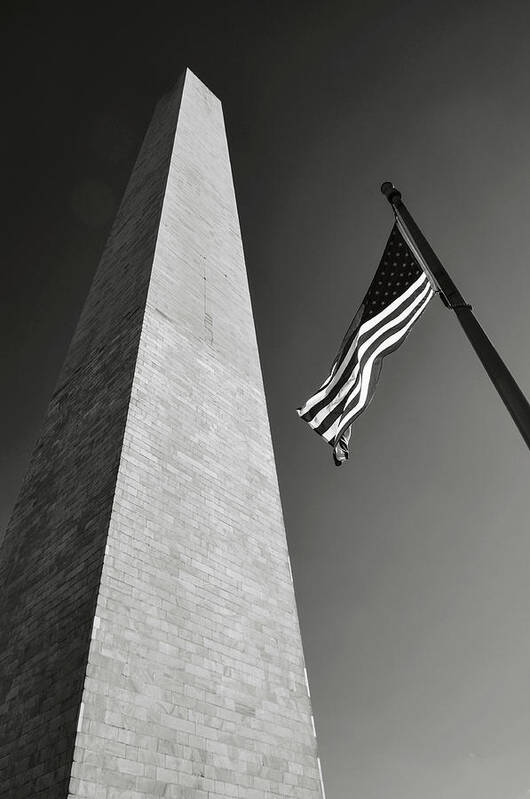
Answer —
146 574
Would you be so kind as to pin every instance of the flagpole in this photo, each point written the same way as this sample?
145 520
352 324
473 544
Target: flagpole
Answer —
509 391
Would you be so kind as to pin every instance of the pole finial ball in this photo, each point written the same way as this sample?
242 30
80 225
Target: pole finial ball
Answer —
390 191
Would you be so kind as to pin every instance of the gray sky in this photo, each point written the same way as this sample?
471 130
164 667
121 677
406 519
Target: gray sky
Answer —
411 561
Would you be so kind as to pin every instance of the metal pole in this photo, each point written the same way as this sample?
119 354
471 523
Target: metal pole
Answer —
509 391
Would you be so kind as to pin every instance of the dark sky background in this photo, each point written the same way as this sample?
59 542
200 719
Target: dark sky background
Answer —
411 562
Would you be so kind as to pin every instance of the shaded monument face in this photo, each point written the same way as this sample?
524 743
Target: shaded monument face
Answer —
149 636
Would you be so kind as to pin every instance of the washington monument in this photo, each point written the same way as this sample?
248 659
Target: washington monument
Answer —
149 638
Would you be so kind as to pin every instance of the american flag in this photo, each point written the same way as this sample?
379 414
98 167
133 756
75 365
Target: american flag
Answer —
396 298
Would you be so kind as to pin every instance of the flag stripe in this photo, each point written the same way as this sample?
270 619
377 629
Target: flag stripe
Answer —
324 397
387 346
364 353
391 308
364 340
397 296
370 347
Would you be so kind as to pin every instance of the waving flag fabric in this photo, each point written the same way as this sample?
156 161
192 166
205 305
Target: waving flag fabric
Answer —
396 298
